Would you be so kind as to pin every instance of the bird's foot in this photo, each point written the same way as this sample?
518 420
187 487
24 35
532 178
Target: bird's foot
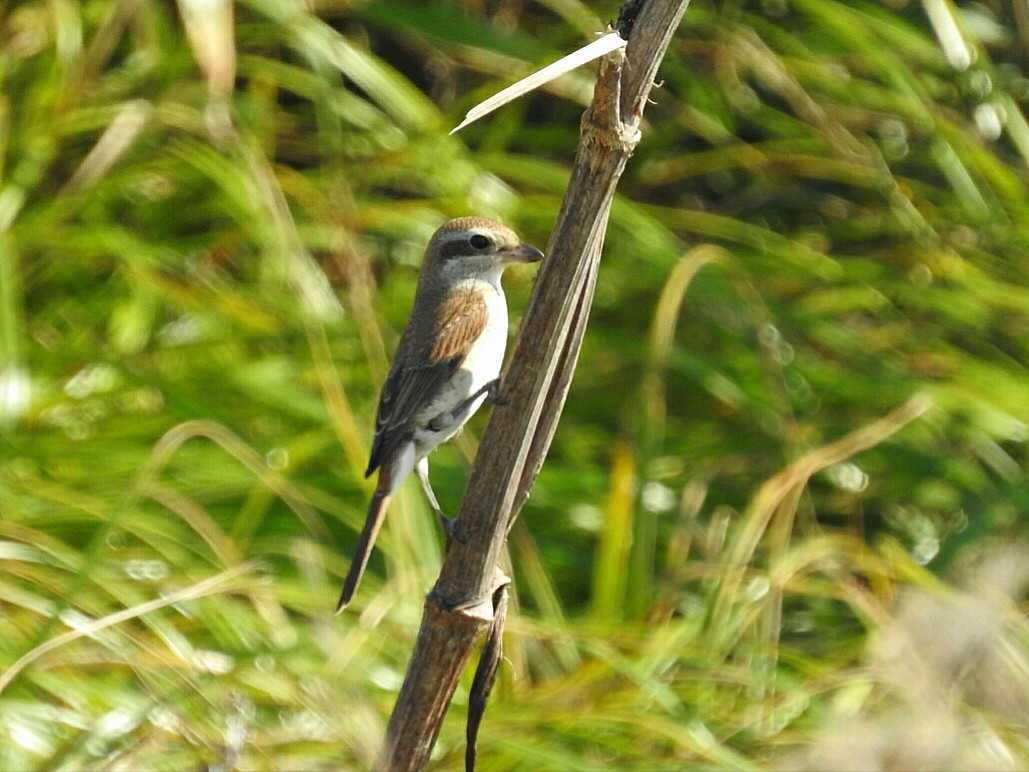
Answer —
445 524
494 395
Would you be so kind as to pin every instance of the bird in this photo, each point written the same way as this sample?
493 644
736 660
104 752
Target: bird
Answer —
446 365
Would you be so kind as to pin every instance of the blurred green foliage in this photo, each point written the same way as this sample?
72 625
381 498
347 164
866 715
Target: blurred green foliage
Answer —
211 218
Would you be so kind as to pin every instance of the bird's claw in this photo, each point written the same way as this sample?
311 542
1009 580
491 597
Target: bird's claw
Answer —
494 395
445 524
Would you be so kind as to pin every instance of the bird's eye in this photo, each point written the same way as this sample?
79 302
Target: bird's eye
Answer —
478 241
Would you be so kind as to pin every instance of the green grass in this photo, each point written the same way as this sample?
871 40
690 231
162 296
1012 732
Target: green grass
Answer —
783 520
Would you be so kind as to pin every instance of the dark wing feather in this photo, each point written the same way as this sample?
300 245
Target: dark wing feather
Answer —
422 366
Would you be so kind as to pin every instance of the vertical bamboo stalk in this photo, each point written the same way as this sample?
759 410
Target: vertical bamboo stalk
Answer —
519 432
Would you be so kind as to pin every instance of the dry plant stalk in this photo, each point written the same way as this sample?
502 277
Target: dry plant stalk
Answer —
468 597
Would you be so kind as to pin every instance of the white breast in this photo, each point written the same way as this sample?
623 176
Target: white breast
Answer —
486 356
481 365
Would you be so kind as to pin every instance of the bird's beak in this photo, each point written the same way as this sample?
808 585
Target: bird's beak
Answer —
523 253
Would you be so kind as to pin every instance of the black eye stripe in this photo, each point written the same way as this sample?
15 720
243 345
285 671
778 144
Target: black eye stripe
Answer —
464 246
453 249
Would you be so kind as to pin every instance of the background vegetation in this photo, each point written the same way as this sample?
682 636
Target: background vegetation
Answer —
781 523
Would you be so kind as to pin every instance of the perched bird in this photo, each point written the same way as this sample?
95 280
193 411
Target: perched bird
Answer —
448 362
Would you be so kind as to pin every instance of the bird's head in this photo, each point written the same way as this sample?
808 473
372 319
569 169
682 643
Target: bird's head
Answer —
474 247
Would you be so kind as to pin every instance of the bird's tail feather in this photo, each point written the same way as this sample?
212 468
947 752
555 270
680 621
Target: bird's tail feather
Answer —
372 524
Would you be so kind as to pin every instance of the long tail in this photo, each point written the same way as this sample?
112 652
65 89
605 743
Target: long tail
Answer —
372 524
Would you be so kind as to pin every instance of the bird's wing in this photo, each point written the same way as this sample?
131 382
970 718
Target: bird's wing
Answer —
422 365
462 318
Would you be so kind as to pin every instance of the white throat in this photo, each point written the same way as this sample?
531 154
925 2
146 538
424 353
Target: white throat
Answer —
492 276
487 272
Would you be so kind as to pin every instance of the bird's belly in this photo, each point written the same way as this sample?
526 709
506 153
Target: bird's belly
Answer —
442 418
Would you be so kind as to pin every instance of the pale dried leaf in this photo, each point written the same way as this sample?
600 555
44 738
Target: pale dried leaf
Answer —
612 41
